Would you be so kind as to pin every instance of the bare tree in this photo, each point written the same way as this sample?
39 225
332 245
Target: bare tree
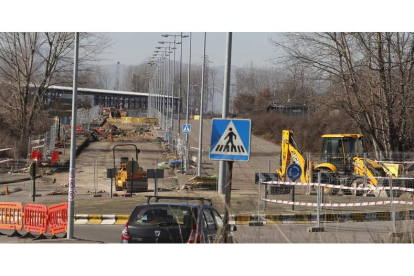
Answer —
369 76
103 77
30 63
136 79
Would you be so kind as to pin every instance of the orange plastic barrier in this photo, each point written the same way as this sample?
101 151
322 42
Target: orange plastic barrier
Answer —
11 216
35 218
58 218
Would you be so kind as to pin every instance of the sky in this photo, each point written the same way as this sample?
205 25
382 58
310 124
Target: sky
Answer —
133 48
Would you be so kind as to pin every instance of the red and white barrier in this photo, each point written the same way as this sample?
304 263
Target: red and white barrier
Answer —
332 186
355 204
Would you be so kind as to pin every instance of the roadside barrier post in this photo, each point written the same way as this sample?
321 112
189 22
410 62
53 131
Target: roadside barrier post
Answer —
318 201
266 191
394 225
258 207
365 169
268 166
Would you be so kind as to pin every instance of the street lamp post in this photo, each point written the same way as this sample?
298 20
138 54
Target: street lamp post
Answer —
164 90
72 168
200 139
188 102
180 85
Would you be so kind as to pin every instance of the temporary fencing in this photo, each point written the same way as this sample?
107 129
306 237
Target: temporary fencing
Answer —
58 218
358 204
11 215
35 218
334 186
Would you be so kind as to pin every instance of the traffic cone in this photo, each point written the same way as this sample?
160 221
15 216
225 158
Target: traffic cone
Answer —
7 190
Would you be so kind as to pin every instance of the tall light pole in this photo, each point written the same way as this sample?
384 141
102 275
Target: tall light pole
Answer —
171 85
200 137
181 54
188 102
149 100
168 84
159 88
72 168
164 89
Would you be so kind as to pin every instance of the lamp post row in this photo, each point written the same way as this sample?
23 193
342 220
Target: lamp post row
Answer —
167 86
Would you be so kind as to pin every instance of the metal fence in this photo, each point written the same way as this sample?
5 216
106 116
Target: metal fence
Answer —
46 143
86 116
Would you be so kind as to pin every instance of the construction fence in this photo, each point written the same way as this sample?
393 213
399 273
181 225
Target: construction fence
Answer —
380 190
33 218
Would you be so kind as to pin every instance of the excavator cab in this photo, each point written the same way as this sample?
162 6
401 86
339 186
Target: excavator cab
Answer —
340 149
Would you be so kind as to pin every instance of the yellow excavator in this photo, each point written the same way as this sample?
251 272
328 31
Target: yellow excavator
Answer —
341 163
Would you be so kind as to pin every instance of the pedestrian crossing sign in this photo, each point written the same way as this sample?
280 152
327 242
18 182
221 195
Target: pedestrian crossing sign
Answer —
186 128
230 140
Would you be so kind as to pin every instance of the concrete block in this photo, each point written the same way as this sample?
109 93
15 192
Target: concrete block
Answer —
316 229
255 223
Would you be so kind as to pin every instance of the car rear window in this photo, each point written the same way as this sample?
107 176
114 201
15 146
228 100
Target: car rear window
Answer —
155 214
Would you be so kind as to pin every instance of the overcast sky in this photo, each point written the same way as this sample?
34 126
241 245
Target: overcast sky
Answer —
135 48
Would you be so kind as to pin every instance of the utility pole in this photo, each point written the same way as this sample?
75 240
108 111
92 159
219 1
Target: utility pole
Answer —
225 112
200 137
72 168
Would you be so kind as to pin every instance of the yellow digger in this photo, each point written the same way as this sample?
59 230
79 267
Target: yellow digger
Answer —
341 163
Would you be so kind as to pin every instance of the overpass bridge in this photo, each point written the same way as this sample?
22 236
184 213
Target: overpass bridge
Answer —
113 98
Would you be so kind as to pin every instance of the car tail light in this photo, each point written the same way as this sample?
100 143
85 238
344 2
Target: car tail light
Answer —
194 236
125 233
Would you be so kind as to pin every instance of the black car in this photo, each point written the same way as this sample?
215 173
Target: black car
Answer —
173 222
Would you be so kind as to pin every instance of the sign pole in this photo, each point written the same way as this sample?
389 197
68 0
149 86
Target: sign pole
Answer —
33 175
72 167
225 112
293 197
155 179
111 185
227 202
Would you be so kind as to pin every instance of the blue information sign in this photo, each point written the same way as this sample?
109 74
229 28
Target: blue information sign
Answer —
230 140
294 172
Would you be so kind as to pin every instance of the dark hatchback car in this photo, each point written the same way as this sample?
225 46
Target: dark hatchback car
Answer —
173 222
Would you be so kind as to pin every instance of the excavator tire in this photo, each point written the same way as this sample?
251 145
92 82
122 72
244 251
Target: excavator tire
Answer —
328 177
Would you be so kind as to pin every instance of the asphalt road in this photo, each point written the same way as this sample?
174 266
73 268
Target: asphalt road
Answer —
360 232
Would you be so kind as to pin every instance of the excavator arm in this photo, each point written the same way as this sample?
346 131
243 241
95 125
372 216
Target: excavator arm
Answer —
290 153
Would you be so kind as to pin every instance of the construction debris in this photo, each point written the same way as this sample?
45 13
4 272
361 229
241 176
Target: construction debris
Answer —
202 182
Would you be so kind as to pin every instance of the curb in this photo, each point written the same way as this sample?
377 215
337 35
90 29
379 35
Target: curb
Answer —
245 219
100 219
